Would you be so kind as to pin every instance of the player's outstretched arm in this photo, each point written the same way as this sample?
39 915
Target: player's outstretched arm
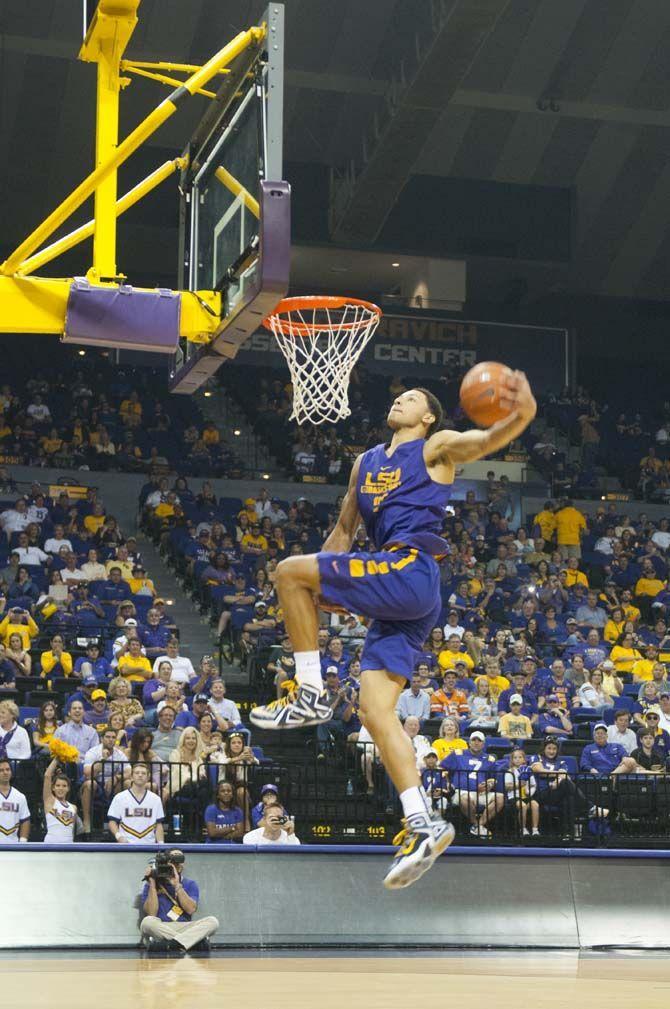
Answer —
468 446
342 536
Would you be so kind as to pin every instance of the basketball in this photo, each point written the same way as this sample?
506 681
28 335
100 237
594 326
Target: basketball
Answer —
481 393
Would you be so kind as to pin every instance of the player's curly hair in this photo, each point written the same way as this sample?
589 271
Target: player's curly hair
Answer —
435 407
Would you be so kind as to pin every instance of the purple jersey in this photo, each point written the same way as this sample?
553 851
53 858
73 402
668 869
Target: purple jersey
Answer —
399 502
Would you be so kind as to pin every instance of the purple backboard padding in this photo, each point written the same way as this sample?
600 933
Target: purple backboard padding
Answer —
122 317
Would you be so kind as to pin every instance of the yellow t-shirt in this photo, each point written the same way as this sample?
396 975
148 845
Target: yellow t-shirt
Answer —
546 520
624 658
447 659
648 586
94 522
130 409
642 670
258 542
48 661
164 510
141 583
25 631
612 631
575 578
515 726
496 685
126 568
631 613
140 661
51 445
570 525
211 437
443 747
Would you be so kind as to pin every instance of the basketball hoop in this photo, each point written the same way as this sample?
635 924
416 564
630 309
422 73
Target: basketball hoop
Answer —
321 339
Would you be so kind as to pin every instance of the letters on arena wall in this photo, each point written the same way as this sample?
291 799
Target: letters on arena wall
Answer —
417 344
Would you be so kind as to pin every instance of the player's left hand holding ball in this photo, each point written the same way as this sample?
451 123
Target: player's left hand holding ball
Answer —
517 395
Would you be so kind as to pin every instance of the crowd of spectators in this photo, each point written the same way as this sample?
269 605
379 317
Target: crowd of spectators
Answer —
105 418
554 631
96 696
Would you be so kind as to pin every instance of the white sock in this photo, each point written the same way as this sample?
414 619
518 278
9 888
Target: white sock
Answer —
414 802
308 669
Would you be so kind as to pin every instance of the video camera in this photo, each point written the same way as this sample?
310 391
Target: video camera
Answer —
161 866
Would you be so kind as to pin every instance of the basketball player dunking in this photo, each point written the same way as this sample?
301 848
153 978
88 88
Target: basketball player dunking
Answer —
400 491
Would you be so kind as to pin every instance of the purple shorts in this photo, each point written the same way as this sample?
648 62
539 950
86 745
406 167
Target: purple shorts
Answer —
399 590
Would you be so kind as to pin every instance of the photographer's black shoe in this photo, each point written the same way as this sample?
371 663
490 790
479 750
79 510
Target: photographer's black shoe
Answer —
164 946
204 946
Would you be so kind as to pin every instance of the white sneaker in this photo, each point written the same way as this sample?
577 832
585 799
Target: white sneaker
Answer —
421 841
526 832
536 832
295 711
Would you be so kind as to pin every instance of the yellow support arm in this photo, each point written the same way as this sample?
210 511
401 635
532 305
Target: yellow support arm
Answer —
132 197
133 141
162 79
237 189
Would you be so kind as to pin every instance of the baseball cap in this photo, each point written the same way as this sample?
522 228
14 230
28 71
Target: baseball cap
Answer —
269 788
90 681
97 694
130 622
552 697
200 697
250 501
571 620
608 664
330 670
478 735
600 725
259 604
431 753
516 699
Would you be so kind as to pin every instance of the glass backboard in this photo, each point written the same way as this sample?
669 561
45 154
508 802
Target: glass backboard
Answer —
235 210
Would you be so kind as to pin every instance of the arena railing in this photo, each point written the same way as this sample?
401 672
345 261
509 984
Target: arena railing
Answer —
329 800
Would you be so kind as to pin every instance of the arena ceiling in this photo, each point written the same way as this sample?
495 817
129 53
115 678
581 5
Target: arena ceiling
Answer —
572 94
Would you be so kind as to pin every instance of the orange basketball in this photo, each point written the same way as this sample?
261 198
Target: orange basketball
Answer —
480 393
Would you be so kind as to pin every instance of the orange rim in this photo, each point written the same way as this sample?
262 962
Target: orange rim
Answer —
293 327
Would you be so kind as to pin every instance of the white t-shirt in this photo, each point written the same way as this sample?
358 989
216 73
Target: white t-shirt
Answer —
52 546
136 817
18 748
13 812
14 522
36 514
39 412
76 575
182 668
31 555
448 629
225 709
661 539
258 837
106 768
93 571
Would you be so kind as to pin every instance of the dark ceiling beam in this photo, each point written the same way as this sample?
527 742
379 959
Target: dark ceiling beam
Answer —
362 198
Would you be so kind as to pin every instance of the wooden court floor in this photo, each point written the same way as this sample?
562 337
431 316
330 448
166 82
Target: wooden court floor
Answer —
343 981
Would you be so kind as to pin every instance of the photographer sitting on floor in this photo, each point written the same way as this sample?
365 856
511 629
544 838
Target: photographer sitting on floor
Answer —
169 900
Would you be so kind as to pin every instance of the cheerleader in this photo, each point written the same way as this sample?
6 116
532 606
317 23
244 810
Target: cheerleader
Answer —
60 814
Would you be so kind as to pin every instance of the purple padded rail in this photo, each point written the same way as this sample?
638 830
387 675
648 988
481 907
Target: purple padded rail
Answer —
269 287
123 318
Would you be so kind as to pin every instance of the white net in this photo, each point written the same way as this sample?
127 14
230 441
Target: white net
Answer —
321 343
